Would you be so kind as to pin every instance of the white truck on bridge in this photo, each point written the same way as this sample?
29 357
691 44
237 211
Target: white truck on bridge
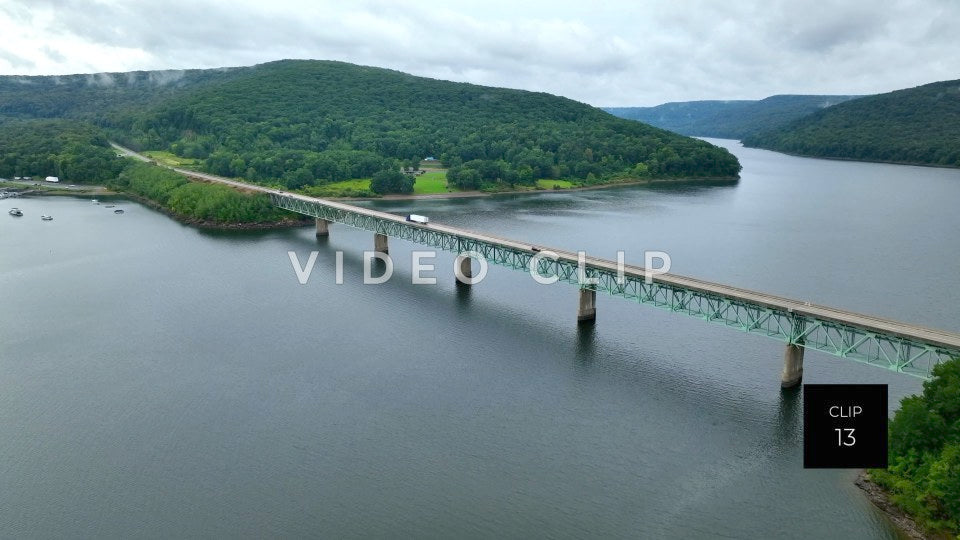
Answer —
423 220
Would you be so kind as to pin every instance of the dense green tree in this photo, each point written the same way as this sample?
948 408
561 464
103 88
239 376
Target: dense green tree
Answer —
74 151
944 480
916 428
391 181
198 201
924 472
943 392
464 178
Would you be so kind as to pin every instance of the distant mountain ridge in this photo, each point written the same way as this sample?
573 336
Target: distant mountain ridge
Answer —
96 95
918 125
735 119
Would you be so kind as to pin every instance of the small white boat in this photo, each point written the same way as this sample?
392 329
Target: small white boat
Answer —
94 201
46 217
118 211
16 212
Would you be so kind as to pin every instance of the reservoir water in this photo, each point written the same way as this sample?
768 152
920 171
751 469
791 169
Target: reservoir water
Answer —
161 381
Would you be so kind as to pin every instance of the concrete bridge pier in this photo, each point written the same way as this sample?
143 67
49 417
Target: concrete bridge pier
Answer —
380 243
792 366
464 270
323 227
588 305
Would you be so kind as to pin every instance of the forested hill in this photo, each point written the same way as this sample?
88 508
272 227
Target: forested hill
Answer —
728 119
298 123
918 125
308 122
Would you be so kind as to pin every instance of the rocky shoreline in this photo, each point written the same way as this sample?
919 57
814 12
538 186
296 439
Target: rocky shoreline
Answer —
880 498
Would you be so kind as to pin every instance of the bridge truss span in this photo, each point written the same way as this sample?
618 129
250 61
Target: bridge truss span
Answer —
879 342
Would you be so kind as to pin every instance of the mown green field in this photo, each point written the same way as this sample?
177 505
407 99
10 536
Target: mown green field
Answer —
355 187
431 182
170 159
554 184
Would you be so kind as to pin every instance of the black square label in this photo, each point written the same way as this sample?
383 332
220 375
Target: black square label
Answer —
844 426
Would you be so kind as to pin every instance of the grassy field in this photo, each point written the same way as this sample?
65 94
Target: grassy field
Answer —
356 187
166 158
554 184
431 182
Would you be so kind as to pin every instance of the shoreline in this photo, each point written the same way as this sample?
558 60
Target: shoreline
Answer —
101 191
29 189
900 519
215 225
856 160
652 182
87 191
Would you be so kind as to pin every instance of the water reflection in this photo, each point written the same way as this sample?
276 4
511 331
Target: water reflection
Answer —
585 345
789 422
463 295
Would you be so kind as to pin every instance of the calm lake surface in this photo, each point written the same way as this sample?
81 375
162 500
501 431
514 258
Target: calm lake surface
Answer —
159 381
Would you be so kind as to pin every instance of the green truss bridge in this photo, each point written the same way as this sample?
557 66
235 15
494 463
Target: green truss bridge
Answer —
893 345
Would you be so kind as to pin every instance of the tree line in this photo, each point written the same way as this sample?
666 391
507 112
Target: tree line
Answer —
196 201
73 151
924 453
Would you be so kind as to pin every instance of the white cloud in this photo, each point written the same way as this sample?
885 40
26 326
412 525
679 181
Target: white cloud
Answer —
614 53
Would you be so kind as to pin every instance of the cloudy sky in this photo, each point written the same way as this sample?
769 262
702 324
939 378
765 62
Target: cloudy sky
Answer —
612 53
